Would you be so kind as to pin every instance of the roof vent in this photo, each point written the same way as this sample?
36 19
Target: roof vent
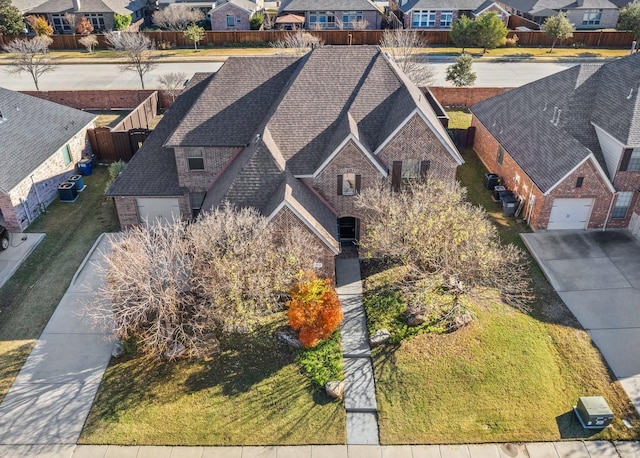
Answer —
557 118
257 139
555 112
545 106
2 118
630 94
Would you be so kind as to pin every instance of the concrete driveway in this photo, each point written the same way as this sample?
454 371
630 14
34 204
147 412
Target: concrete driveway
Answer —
597 275
21 246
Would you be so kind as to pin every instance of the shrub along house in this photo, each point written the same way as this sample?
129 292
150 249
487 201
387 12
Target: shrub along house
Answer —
294 137
41 142
569 145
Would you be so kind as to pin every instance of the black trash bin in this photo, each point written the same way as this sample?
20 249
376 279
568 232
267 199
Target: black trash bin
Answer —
491 180
497 192
509 206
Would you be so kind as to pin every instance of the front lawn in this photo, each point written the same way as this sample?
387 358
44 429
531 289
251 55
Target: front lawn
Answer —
506 377
253 393
29 298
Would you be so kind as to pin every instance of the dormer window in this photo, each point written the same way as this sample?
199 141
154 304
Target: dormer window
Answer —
196 161
348 184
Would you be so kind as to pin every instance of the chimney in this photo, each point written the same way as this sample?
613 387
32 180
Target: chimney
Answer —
76 5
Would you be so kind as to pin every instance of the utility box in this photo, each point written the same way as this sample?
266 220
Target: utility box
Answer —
593 412
67 192
491 180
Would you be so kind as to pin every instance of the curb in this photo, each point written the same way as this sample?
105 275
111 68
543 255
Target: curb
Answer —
87 258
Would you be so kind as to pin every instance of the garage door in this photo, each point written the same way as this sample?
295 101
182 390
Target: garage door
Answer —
158 209
570 214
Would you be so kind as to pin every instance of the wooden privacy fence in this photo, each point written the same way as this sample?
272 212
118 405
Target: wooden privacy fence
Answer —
612 39
123 140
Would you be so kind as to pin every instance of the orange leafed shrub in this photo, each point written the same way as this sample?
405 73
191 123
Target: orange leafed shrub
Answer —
314 309
39 25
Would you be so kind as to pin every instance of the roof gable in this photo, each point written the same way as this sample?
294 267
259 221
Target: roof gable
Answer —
31 130
327 5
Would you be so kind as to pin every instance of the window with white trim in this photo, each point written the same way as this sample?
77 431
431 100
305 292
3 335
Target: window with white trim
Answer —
446 18
634 160
423 18
196 199
592 17
97 21
322 19
195 161
411 169
349 184
59 24
231 21
623 202
351 17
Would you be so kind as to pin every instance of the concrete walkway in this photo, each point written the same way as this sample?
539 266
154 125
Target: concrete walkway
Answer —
50 399
574 449
360 391
20 247
597 275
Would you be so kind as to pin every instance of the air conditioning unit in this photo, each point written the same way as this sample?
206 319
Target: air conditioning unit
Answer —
593 412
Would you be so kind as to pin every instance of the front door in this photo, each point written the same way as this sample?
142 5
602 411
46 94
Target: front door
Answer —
348 229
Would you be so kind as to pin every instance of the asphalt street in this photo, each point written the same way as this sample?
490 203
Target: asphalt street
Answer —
111 76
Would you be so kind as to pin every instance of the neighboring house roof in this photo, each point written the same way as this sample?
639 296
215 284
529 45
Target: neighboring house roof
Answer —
488 4
290 19
246 5
152 170
33 129
328 5
467 5
25 5
288 116
551 7
89 6
547 125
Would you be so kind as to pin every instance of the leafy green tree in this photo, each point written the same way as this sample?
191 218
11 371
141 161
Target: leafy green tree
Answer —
194 33
121 21
11 22
558 27
630 19
460 73
463 32
490 31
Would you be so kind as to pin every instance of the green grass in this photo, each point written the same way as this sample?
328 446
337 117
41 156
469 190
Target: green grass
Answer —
252 393
506 377
459 119
29 298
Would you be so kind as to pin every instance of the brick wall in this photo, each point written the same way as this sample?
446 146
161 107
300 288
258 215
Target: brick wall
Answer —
416 141
215 159
609 18
285 220
24 202
219 18
517 181
465 96
349 160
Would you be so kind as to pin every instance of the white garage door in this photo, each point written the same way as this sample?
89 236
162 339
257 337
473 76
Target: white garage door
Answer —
570 214
152 210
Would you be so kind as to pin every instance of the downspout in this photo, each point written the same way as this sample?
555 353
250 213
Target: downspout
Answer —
530 207
613 197
26 210
40 204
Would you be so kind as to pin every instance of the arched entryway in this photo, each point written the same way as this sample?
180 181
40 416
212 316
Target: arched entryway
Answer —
348 230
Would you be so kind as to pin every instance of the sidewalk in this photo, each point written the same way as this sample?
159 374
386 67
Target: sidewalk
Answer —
574 449
50 399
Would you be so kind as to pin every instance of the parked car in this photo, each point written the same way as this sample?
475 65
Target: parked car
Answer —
4 238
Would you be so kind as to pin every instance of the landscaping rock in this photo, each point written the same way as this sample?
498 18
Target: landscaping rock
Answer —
335 389
175 351
416 315
460 321
381 337
118 350
289 336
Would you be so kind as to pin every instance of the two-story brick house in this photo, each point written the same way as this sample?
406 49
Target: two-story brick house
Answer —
294 137
441 14
334 14
569 145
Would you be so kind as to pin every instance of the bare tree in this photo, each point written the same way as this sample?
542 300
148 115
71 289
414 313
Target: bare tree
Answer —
173 83
89 42
447 243
177 16
31 56
175 288
71 19
299 42
362 24
404 46
137 49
